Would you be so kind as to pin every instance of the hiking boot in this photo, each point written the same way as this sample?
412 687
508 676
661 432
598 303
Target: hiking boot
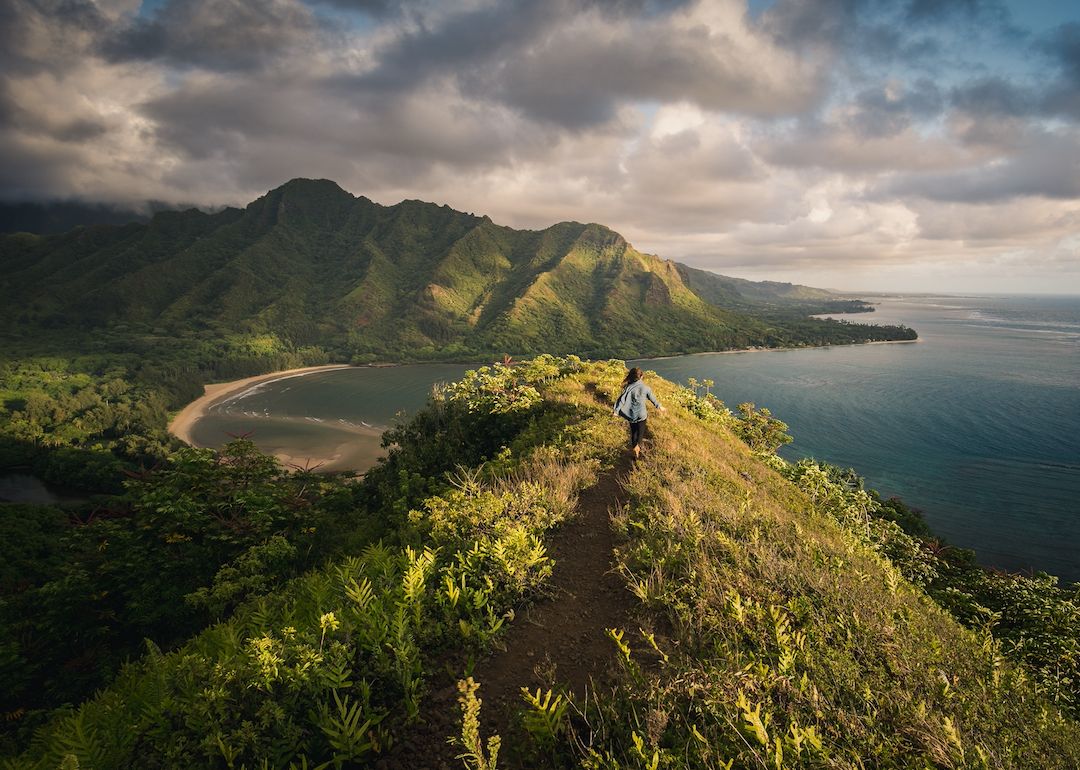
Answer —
637 452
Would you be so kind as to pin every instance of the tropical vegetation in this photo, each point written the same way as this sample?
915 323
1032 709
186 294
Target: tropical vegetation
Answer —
213 608
226 612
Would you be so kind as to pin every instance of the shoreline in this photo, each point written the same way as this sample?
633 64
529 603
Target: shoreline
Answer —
775 350
215 393
180 426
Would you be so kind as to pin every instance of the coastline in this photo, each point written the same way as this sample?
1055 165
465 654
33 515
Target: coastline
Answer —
180 426
362 451
775 350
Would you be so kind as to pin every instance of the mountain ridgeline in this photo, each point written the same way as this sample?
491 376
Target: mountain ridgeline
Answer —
309 266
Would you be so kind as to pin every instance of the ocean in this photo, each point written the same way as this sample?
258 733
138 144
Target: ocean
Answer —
977 424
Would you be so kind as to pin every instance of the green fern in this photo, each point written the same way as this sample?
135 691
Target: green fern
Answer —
545 718
350 738
81 742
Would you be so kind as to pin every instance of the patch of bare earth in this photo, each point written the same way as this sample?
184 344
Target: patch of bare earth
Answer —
560 643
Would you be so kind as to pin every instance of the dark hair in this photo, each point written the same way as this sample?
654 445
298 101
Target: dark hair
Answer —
632 376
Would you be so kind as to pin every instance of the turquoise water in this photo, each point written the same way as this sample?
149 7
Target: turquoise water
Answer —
977 424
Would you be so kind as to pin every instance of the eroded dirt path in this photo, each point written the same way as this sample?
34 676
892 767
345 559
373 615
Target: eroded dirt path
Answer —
563 641
558 643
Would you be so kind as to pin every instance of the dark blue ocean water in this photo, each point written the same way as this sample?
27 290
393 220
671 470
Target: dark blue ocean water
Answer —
977 424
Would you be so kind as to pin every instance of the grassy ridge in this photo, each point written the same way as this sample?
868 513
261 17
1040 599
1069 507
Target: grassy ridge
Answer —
800 643
799 631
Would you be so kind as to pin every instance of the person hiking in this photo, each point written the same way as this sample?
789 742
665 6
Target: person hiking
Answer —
631 406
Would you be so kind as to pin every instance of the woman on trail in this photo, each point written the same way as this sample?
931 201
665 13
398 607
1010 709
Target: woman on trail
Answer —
631 406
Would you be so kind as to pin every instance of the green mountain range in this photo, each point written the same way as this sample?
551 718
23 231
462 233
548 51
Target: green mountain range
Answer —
308 265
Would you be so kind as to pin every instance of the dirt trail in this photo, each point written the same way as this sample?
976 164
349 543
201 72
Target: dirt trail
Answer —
563 641
559 642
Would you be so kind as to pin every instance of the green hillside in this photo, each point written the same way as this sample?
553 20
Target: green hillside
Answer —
708 606
310 266
766 298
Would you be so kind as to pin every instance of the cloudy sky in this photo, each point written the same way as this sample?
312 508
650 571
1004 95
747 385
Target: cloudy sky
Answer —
892 145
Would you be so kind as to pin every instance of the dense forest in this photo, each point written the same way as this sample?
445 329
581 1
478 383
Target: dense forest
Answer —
222 611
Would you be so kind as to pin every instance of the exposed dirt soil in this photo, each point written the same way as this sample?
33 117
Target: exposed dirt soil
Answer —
559 643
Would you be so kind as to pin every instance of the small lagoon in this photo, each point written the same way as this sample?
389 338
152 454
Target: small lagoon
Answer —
22 486
333 418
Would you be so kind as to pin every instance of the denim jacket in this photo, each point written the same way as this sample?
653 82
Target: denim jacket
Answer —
630 405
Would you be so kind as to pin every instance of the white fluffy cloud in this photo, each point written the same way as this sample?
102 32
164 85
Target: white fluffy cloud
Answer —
852 141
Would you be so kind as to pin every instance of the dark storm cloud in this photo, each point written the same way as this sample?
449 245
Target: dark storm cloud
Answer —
263 116
467 43
219 35
878 27
12 31
935 12
461 43
69 14
799 25
579 79
914 33
993 97
9 105
65 22
376 8
575 64
1064 45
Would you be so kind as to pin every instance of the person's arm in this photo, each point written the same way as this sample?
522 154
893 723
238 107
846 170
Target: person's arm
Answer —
649 395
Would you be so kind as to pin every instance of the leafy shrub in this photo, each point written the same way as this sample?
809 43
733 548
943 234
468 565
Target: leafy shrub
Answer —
221 526
760 430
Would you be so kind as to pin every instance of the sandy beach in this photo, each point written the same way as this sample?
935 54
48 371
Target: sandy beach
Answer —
356 449
218 392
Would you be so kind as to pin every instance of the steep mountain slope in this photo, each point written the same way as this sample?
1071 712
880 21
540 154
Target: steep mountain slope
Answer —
309 264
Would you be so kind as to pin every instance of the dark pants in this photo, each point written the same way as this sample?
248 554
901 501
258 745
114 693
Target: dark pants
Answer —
637 432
